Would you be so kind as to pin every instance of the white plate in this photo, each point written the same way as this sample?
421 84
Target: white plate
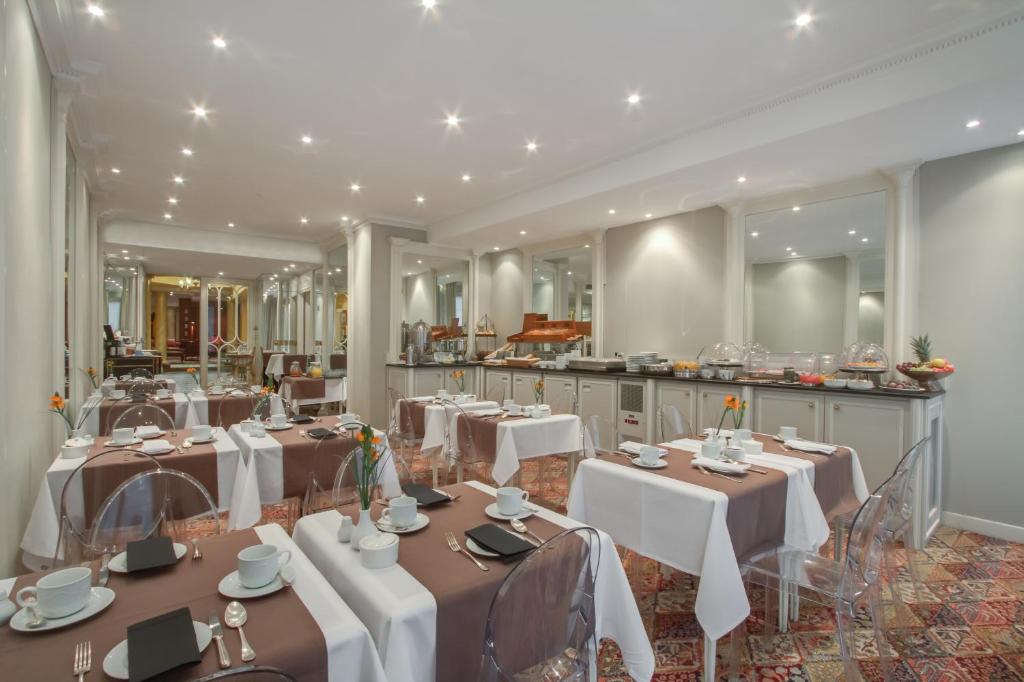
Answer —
230 586
492 511
99 599
421 522
211 392
196 441
115 664
477 549
111 444
155 434
638 462
119 562
270 427
169 449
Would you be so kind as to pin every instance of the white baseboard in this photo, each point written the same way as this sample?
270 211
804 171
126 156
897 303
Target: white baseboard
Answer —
995 529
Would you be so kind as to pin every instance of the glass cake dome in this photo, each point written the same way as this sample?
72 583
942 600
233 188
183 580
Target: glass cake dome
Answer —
725 354
865 357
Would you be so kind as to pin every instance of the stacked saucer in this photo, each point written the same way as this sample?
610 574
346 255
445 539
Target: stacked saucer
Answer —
638 360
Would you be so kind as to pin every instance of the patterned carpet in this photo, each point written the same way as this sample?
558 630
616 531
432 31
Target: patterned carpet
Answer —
965 624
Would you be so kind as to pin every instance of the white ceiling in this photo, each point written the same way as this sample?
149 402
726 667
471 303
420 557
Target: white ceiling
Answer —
372 82
157 261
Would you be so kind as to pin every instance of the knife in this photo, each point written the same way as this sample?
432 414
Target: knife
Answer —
218 636
104 576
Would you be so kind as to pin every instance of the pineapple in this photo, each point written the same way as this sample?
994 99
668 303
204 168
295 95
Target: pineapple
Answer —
922 347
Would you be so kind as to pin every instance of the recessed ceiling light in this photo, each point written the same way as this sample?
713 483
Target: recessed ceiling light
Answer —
496 248
344 218
531 146
466 177
754 234
611 211
306 139
172 200
126 258
569 272
852 232
863 239
973 123
304 220
337 269
355 187
1021 132
186 151
796 209
219 42
95 10
794 254
231 224
789 248
419 262
741 179
586 246
428 4
420 199
634 98
522 231
178 180
291 265
452 120
124 250
117 171
199 112
167 216
804 20
648 215
220 274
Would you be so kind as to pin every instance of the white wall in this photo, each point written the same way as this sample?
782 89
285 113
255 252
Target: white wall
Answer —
420 297
664 284
971 284
871 317
799 305
506 293
28 325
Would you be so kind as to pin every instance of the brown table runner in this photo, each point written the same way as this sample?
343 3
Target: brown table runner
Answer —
102 477
304 388
298 456
226 410
462 591
126 385
110 410
279 627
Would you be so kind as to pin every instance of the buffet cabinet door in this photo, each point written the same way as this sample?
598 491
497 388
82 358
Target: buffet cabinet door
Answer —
560 393
598 397
877 429
427 381
497 385
682 396
522 387
710 403
805 411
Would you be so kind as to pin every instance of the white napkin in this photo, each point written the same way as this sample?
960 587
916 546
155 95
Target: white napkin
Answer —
718 465
156 446
147 430
633 448
493 412
238 392
424 399
810 446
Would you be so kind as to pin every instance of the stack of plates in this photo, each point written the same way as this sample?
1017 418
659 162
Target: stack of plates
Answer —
635 362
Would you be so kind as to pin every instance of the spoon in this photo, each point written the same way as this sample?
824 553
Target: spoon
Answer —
234 617
520 527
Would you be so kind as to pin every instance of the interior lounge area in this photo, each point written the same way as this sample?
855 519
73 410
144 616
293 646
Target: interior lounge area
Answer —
439 341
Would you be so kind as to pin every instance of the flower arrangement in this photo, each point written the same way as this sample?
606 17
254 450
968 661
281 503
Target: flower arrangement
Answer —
367 467
737 407
538 391
191 371
59 406
265 396
459 377
93 378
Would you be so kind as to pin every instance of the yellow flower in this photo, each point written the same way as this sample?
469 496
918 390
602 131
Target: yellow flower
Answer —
56 402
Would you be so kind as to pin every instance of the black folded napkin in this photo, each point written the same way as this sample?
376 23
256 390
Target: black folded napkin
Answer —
425 495
150 553
497 539
160 644
320 433
302 419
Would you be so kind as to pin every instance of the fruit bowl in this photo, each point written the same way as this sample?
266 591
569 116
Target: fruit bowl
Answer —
925 376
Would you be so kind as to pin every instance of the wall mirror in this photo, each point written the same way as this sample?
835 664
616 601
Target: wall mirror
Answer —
815 274
563 284
121 298
337 302
435 290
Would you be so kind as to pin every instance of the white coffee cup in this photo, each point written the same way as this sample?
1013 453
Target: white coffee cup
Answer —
216 388
258 565
507 403
787 432
278 420
118 393
752 447
58 594
740 435
712 449
514 409
122 436
257 430
246 426
650 455
511 500
201 432
735 453
442 393
163 393
400 512
348 417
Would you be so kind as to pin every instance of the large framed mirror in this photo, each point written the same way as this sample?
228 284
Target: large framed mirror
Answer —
815 274
435 293
562 289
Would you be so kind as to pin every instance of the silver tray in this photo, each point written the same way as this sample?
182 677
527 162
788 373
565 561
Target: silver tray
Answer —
598 364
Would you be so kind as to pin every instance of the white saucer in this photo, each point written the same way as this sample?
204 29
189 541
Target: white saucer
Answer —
421 522
99 599
492 511
638 462
115 664
119 562
155 434
477 549
216 393
111 444
270 427
196 441
230 586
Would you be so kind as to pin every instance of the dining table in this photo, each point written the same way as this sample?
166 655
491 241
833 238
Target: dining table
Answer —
305 629
305 390
704 524
222 408
102 412
217 465
427 613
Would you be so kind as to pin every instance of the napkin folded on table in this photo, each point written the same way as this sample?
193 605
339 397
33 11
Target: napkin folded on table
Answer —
301 419
810 446
321 433
499 540
489 412
156 446
238 393
147 430
425 495
719 465
150 553
633 448
159 644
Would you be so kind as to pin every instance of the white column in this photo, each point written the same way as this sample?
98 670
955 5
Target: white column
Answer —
204 331
734 273
598 261
398 245
901 295
527 281
326 338
474 304
851 317
61 94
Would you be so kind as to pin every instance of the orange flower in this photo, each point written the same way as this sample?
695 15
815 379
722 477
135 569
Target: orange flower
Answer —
191 370
376 440
732 402
360 437
56 402
91 371
265 390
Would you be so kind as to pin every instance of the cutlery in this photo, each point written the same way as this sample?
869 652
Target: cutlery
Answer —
235 616
302 433
196 554
454 545
187 443
83 660
715 473
285 578
218 636
751 468
34 619
520 527
104 576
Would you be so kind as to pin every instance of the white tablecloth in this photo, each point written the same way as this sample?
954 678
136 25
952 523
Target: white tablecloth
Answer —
335 391
351 654
275 366
434 417
40 539
526 438
401 613
92 421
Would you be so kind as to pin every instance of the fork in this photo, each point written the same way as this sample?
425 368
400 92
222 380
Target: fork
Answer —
454 545
302 433
715 473
83 659
196 554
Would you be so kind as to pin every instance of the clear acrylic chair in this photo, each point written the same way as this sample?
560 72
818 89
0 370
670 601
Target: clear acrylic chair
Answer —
231 409
496 393
541 624
671 424
135 415
332 458
248 673
843 585
141 372
460 448
83 494
153 503
402 432
145 387
561 402
600 436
